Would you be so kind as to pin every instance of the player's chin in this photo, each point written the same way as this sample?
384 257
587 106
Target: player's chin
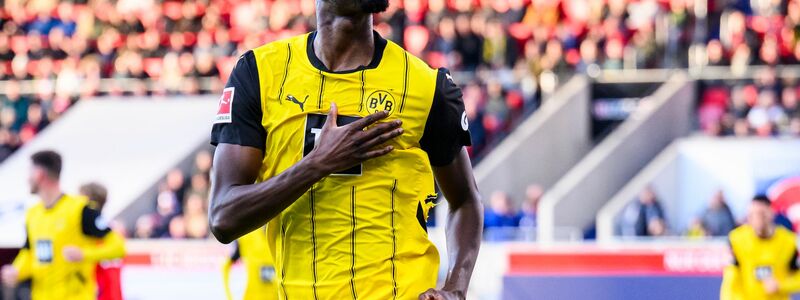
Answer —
374 6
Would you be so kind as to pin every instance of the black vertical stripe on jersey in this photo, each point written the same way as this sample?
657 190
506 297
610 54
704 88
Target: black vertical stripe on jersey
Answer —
313 243
353 242
405 81
361 103
283 264
285 72
321 88
421 217
394 245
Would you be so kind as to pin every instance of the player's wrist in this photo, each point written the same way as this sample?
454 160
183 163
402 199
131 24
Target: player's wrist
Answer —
316 169
460 293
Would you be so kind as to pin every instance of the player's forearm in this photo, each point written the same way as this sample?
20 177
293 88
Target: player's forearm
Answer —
23 263
240 209
112 247
464 225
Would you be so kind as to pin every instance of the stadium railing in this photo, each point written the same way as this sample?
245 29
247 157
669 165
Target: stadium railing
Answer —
542 148
575 199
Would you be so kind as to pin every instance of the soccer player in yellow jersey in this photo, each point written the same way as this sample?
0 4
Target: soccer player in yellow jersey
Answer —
66 239
765 262
333 140
254 253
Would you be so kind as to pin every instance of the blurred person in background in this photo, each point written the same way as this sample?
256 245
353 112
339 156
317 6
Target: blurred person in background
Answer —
765 114
195 216
765 260
109 282
696 229
145 227
176 228
501 218
176 183
166 209
717 219
65 239
533 194
643 217
253 250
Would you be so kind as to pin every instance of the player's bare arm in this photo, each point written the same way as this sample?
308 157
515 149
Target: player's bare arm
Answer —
464 224
239 206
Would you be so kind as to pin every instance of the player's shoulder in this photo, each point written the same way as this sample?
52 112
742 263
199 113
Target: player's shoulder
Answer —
741 233
415 64
784 234
36 208
75 202
281 46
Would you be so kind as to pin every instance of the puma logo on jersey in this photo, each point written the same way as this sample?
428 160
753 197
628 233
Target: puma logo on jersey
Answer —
295 101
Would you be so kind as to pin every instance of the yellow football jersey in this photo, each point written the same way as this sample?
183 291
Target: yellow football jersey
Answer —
69 222
253 250
358 233
756 259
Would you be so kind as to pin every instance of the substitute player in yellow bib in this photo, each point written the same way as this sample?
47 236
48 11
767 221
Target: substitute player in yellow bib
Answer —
333 139
253 251
765 265
66 239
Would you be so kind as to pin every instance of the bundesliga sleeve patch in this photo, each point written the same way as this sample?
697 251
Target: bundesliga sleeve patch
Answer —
225 106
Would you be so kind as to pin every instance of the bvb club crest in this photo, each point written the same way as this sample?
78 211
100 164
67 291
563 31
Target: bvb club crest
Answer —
380 100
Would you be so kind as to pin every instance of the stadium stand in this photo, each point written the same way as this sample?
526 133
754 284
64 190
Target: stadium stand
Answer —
595 143
125 144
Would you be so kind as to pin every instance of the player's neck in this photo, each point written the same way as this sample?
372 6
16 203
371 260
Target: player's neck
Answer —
50 195
344 43
766 234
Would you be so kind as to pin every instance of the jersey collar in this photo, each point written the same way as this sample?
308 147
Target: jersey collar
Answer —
380 45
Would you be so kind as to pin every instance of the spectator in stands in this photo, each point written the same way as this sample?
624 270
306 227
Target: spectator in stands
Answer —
176 183
588 61
7 145
17 102
177 228
613 51
202 163
468 43
501 219
716 54
196 216
166 210
718 219
501 212
644 217
764 116
533 194
657 227
696 229
145 227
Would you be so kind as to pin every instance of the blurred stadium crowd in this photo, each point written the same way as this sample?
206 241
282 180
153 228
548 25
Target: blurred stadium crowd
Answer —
181 205
505 54
642 217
